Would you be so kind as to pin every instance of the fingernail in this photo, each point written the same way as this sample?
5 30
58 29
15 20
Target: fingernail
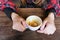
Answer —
38 31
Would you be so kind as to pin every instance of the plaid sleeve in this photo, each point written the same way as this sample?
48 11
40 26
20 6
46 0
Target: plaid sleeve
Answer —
50 10
8 11
53 5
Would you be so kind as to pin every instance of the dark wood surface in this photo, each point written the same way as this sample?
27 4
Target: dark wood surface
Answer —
7 33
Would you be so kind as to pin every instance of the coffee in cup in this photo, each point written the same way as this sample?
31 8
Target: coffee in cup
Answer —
33 22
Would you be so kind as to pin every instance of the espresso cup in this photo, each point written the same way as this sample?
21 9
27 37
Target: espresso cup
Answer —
33 22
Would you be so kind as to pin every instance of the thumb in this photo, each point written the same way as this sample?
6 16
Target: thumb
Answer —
24 23
43 25
39 31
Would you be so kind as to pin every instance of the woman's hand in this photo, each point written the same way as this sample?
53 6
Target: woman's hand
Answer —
48 26
19 23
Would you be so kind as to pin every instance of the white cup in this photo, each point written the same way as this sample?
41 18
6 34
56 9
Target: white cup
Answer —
33 22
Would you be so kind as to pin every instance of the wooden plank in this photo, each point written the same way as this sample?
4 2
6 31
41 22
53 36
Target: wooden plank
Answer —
30 10
2 14
25 12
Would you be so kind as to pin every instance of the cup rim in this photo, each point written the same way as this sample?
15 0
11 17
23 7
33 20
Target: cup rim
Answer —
38 17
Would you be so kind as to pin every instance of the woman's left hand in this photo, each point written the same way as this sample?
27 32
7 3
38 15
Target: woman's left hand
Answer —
48 26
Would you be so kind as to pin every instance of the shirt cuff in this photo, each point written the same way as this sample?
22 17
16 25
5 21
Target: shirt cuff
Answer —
49 11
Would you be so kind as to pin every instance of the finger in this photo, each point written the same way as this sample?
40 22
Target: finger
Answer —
39 31
19 27
24 23
51 28
43 25
47 29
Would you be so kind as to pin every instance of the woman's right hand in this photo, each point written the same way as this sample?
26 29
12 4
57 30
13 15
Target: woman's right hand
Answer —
19 23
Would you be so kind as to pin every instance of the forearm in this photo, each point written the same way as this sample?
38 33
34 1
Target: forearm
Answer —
8 12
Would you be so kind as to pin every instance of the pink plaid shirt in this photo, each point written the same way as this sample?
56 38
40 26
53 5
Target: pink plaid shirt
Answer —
53 4
6 3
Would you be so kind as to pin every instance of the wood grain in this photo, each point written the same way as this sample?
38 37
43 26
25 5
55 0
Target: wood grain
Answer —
7 33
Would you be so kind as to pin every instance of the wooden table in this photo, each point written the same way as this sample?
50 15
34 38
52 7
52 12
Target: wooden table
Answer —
7 33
